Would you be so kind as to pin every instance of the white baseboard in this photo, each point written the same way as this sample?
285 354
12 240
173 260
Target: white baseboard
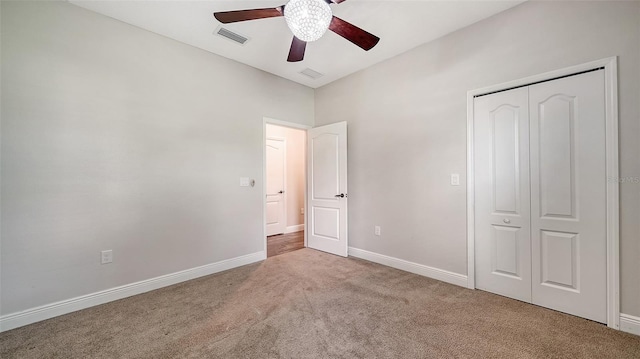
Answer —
15 320
421 269
630 324
296 228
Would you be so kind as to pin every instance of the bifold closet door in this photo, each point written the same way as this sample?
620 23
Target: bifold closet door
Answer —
502 209
540 202
568 195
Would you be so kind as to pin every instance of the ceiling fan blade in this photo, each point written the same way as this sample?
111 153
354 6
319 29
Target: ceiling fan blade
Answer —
226 17
296 53
353 33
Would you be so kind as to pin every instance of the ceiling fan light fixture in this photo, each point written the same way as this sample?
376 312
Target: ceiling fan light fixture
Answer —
308 19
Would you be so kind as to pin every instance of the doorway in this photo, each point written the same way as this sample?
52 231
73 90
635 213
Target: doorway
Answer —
285 183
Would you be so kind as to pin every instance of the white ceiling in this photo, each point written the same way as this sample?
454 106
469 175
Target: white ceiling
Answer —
401 25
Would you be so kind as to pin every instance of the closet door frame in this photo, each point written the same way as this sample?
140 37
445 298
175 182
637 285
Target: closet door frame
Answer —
611 134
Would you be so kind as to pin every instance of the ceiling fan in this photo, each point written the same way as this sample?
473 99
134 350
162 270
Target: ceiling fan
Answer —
308 20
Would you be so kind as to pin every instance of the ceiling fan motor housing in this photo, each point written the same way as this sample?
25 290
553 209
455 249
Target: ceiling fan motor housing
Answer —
308 19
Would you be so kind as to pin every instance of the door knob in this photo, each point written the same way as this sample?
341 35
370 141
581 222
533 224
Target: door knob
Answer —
341 195
506 220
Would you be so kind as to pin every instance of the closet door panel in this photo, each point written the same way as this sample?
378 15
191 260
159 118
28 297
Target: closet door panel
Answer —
501 140
568 195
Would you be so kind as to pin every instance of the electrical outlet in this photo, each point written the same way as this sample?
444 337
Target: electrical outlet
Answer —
302 210
107 256
455 179
376 230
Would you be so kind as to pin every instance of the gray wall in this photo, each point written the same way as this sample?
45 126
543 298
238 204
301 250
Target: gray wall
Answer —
407 125
117 138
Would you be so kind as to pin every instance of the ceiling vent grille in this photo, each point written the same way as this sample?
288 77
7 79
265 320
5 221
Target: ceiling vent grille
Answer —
221 31
311 73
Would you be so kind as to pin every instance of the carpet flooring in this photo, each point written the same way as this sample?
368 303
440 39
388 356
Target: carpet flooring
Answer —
308 304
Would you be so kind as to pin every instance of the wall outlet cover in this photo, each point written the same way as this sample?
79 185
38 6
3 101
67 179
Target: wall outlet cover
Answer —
455 179
106 256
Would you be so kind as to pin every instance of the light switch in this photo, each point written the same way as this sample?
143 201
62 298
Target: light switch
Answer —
455 179
244 181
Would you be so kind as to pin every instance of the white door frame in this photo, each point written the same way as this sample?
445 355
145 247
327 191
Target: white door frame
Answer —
613 197
265 121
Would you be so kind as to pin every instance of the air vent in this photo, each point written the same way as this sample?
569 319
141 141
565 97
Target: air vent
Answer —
221 31
311 73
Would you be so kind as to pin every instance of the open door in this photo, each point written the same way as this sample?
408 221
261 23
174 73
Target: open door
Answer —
327 188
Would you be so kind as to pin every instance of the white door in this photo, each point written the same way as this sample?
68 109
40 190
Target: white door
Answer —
275 157
541 194
502 226
568 195
327 188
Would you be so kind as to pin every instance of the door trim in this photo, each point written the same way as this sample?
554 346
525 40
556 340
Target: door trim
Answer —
613 198
272 121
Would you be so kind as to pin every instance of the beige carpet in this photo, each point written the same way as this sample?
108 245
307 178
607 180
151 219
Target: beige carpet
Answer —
307 304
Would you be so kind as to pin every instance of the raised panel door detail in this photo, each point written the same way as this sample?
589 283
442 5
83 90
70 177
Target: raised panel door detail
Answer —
502 197
275 169
568 195
273 215
506 251
275 152
324 154
557 165
560 260
505 159
327 171
326 223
